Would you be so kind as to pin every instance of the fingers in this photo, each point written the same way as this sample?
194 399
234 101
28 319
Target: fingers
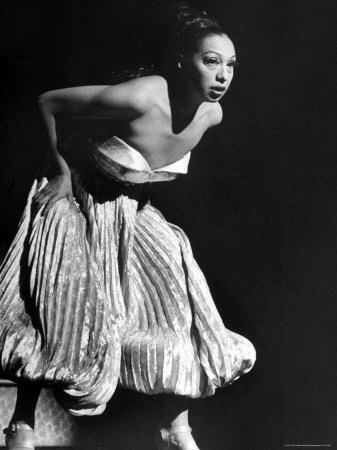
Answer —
50 194
41 200
43 195
49 204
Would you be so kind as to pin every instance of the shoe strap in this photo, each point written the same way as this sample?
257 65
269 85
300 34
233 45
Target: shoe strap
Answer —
166 432
179 429
14 427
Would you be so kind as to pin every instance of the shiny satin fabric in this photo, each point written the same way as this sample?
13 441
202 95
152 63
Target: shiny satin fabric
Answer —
105 290
116 159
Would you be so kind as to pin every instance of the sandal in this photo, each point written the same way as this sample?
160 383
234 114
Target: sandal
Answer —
19 436
164 438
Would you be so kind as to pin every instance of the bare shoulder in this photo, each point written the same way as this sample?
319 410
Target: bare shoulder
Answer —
152 82
146 82
143 90
214 114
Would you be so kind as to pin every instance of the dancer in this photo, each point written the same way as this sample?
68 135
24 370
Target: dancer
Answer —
97 286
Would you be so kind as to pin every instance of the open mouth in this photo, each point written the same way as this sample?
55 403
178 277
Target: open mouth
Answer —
218 89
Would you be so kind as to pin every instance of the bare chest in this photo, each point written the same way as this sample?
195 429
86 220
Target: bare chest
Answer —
153 137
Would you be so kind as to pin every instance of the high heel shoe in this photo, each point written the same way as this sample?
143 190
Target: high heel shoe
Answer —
165 439
19 436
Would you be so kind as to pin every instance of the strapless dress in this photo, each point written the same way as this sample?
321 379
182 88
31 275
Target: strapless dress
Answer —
104 290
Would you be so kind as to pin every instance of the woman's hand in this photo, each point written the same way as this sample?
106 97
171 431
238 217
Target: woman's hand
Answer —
58 187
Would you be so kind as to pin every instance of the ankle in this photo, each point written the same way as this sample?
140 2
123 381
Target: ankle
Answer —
18 436
177 429
179 436
26 422
178 420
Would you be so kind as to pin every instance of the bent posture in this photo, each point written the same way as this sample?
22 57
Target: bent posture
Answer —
97 287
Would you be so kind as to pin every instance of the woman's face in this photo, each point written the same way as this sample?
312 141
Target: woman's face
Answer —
210 69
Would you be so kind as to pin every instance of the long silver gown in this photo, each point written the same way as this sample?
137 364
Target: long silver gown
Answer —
105 290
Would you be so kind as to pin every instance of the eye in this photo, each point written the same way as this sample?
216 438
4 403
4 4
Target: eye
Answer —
232 64
211 60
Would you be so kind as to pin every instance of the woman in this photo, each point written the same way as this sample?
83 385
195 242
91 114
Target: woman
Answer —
97 287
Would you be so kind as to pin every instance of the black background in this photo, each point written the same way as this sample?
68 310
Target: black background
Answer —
259 203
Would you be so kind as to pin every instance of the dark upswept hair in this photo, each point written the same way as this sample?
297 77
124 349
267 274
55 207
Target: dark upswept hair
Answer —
180 31
188 26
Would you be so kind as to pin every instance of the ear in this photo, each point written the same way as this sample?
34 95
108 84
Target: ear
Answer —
182 62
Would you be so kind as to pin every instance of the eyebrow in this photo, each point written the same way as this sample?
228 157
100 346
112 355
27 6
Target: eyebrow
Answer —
214 51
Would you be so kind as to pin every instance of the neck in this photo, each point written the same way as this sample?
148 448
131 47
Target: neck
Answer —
185 101
184 105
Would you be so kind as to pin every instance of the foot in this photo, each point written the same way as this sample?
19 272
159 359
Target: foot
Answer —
176 438
19 436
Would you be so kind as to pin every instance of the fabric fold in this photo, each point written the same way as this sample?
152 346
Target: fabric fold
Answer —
103 290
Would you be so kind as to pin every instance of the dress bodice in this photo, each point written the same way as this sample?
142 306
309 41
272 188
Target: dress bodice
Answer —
119 160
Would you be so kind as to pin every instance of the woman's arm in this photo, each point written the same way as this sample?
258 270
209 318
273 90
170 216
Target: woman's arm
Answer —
124 101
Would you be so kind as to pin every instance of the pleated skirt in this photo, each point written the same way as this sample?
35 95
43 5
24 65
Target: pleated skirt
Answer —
105 290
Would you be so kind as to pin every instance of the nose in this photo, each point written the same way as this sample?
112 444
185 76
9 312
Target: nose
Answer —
222 74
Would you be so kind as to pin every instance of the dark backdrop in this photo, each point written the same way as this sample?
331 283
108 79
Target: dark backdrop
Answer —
259 203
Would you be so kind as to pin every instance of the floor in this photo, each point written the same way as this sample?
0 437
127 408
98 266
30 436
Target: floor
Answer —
130 420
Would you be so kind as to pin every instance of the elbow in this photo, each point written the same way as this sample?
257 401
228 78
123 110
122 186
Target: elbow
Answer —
45 102
42 99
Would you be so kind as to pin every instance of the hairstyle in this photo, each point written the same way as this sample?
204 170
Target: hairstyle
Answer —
179 32
188 26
